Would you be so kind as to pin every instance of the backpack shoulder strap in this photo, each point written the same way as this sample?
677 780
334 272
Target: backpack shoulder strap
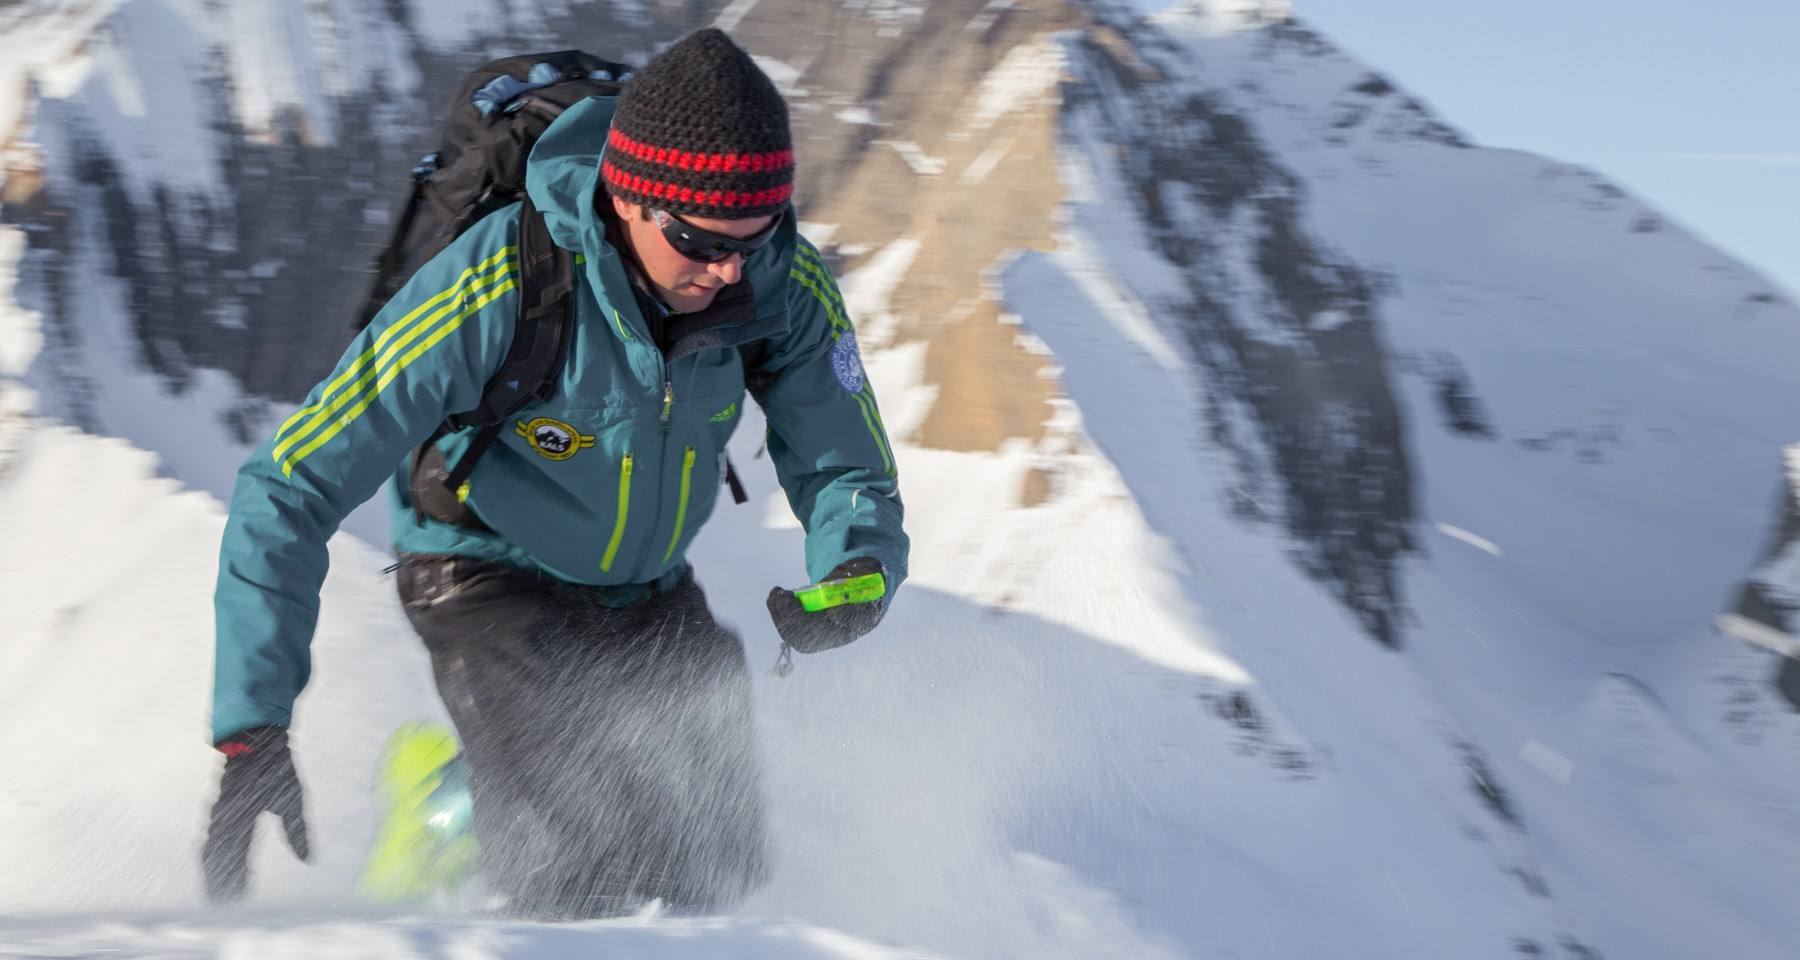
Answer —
533 364
541 336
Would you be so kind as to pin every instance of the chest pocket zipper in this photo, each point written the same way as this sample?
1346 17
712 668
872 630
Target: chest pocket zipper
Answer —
687 478
612 546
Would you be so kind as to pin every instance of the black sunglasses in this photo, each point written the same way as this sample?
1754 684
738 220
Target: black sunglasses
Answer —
704 245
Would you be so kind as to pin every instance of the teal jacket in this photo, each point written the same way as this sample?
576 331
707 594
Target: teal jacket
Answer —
605 483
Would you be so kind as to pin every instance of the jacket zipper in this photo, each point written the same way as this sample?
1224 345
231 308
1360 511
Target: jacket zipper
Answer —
687 476
612 547
667 409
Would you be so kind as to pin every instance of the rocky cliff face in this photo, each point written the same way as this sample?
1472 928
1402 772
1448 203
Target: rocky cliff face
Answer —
1277 321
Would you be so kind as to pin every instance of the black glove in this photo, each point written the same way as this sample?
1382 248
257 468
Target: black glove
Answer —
833 626
259 775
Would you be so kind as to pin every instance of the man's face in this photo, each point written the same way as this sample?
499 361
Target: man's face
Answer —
681 284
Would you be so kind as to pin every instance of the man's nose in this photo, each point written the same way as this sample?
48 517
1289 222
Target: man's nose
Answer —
730 269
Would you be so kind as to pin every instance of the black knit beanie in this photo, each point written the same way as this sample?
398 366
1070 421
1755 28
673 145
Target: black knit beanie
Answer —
701 131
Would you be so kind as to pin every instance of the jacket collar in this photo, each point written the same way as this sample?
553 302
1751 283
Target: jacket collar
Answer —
679 334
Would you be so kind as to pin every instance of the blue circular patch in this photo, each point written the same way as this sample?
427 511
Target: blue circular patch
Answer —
846 362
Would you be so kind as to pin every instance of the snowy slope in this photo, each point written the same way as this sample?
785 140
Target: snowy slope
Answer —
922 781
1134 720
1575 546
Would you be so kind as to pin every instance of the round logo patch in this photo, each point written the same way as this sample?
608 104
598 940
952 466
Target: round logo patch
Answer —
846 362
553 439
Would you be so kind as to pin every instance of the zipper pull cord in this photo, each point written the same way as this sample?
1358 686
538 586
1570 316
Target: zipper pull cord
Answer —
668 401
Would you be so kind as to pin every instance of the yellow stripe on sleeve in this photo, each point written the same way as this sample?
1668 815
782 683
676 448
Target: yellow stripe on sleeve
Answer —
872 418
809 270
387 377
411 337
399 329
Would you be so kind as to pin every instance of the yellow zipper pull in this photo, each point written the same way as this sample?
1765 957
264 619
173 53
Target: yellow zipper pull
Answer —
668 401
618 534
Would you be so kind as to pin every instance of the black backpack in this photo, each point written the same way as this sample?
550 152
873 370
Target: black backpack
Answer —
496 116
493 121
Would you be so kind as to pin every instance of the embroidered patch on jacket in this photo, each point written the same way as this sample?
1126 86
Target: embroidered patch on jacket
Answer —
723 416
553 439
846 362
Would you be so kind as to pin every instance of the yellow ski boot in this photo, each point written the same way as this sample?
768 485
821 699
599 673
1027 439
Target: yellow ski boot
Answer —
426 842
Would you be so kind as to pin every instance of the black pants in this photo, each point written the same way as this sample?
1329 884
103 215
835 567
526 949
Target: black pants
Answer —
612 750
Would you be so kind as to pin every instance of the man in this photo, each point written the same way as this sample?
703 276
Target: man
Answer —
604 716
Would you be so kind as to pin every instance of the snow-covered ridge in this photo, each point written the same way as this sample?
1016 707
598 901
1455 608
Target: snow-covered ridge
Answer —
163 83
1221 17
37 39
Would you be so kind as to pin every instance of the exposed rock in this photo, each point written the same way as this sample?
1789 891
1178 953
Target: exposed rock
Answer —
1218 204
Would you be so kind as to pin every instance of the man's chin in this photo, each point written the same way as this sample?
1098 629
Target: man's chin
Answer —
694 299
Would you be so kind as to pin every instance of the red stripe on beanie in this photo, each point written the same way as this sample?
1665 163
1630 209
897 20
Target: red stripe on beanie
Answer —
704 162
632 183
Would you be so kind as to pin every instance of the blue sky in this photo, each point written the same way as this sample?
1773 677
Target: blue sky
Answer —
1694 108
